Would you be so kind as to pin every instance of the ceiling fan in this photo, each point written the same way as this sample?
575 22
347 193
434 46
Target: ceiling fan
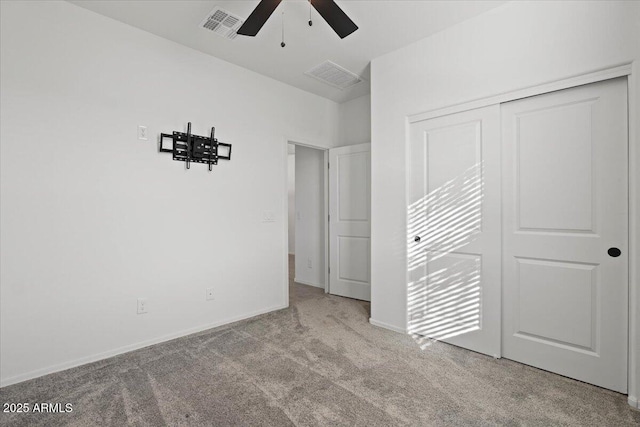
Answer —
328 9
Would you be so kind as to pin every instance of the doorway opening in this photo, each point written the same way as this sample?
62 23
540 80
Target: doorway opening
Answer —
330 190
307 220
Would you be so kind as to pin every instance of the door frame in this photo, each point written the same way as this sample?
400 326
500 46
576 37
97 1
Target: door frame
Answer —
285 149
630 70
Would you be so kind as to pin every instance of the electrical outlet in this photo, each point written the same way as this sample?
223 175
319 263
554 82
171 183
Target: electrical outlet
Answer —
142 305
309 263
142 133
209 294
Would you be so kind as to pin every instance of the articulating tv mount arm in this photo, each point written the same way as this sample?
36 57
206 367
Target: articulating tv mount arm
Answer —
195 148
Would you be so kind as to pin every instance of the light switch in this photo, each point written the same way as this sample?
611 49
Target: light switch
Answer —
142 133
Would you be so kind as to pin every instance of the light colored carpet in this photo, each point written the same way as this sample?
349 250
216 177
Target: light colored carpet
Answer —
319 362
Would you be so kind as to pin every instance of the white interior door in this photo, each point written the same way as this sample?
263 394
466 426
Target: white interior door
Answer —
565 205
454 229
349 221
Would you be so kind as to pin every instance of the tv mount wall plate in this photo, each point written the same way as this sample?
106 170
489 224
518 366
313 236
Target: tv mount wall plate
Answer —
195 148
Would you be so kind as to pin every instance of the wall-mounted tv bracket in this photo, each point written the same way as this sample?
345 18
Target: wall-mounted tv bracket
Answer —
195 148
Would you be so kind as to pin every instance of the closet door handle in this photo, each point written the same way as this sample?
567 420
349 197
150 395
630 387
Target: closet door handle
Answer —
614 252
416 239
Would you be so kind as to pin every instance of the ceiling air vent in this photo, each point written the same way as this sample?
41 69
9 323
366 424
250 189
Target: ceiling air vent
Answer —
222 23
334 75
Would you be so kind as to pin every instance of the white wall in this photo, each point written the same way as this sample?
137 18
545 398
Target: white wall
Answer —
291 205
354 126
310 223
513 46
92 218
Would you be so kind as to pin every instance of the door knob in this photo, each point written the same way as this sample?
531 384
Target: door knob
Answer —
416 239
614 252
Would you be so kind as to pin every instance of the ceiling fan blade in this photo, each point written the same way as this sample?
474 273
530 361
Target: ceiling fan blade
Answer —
335 17
258 17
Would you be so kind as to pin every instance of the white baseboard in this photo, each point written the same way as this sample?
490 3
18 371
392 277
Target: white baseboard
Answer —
303 282
387 326
128 348
634 402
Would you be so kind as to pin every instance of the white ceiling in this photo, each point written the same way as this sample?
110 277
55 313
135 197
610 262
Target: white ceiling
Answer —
384 26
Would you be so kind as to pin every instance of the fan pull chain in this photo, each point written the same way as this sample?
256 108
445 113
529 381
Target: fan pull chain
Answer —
310 21
282 44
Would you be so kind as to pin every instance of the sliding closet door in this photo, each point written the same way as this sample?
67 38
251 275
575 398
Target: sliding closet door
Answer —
454 229
565 232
